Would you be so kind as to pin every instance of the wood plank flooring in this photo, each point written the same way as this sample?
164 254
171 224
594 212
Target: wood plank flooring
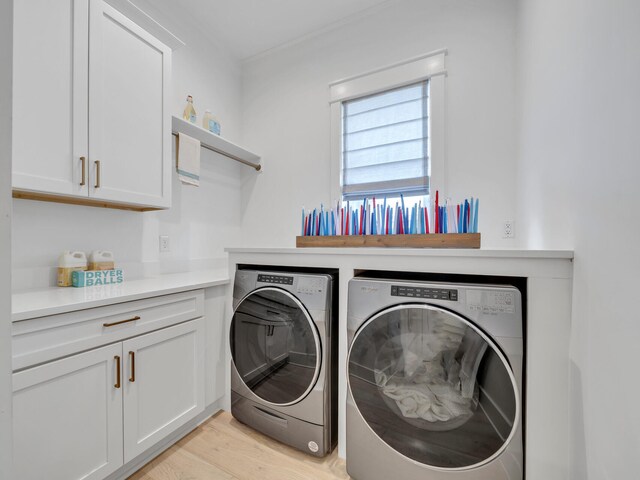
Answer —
223 448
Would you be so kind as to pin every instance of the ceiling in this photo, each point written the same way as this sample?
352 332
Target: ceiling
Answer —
249 27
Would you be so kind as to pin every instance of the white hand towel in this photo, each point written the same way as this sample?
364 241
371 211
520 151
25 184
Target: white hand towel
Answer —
188 160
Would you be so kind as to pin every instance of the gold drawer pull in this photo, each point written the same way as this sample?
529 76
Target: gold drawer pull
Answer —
132 359
117 359
97 162
113 324
84 171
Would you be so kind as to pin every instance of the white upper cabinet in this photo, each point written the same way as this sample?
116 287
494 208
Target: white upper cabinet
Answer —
91 118
51 98
129 124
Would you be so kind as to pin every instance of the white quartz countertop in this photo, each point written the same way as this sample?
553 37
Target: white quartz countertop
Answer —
54 300
413 252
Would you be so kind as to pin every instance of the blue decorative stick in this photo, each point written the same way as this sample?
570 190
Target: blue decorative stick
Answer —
466 220
472 212
315 220
445 220
475 216
412 223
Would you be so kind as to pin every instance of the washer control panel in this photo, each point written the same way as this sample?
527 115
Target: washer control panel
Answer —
491 301
422 292
277 279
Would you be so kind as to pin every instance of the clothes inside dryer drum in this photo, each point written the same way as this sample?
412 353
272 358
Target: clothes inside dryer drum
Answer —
274 346
432 387
432 383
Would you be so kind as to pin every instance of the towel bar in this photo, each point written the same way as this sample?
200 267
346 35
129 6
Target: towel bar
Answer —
215 143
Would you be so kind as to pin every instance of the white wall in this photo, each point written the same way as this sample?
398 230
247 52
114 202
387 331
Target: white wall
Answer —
202 220
6 45
286 110
579 167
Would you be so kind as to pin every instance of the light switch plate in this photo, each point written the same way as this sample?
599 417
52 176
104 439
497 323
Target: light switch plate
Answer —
164 244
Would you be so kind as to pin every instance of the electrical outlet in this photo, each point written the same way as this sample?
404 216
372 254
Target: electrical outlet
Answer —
164 243
509 230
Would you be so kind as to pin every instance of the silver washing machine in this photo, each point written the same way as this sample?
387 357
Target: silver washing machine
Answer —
434 381
283 348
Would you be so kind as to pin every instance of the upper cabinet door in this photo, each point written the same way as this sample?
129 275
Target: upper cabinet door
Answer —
50 86
129 122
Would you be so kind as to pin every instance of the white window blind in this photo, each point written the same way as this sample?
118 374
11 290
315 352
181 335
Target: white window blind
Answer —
386 143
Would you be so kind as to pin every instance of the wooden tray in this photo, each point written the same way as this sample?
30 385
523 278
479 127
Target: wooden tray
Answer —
430 240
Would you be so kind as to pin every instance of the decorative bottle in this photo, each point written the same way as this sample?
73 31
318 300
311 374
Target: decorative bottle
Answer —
189 113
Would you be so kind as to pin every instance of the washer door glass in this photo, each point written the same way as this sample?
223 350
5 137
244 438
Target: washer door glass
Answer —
433 387
275 346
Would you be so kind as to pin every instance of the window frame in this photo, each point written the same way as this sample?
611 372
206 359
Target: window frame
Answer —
430 66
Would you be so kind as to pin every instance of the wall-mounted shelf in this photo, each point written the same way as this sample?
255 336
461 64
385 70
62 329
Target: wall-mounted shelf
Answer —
215 143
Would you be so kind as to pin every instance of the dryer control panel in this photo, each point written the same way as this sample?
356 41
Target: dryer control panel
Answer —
277 279
422 292
491 301
310 285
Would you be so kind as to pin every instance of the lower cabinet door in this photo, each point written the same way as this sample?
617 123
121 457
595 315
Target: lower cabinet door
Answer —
67 417
163 384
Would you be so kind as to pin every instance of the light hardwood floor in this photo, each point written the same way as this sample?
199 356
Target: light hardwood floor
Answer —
223 448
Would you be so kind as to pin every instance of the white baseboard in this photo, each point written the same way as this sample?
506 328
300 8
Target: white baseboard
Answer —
141 460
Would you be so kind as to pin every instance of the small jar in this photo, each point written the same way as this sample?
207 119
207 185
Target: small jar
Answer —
205 119
209 122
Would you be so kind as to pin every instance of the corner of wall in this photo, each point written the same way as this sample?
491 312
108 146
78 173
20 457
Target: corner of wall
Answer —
6 72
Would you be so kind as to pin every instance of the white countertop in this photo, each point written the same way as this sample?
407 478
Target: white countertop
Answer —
415 252
54 300
478 261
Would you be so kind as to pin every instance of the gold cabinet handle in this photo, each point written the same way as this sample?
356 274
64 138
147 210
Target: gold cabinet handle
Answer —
132 359
97 162
113 324
117 359
84 171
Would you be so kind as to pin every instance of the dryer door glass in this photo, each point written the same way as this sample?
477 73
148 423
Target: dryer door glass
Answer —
275 346
433 387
